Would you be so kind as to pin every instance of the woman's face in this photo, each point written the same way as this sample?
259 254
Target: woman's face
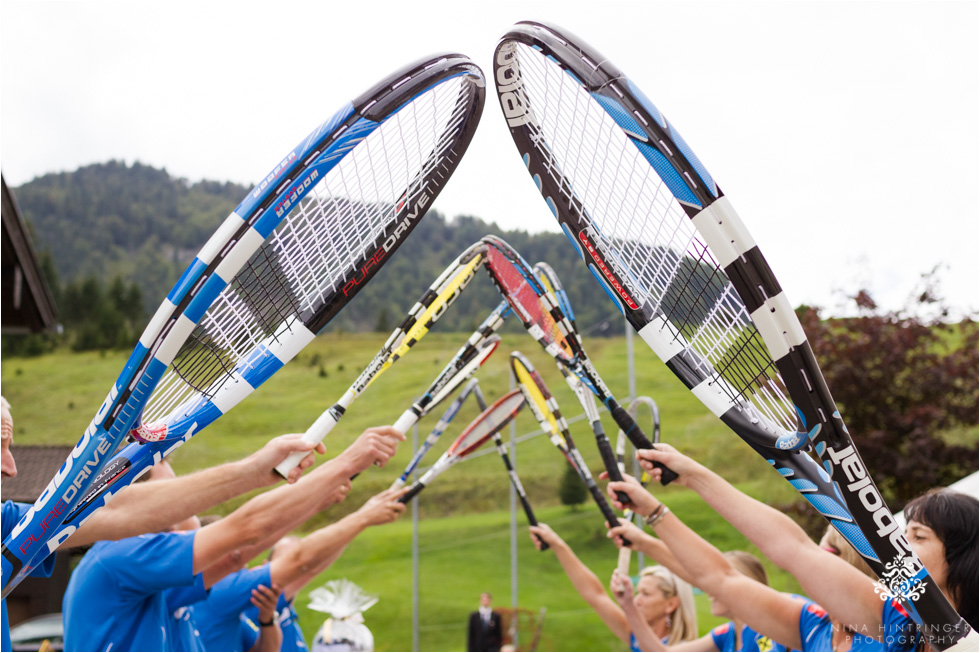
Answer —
930 550
650 600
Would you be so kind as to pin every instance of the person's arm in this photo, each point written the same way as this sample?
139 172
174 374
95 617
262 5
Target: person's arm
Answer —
764 609
156 506
319 549
270 634
261 520
586 583
841 589
622 589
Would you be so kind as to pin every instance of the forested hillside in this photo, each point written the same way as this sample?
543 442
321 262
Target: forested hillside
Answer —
134 228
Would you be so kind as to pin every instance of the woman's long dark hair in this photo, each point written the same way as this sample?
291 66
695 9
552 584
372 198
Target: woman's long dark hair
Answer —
953 517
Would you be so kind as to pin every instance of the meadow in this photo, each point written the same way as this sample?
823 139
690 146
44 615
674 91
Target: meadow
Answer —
464 519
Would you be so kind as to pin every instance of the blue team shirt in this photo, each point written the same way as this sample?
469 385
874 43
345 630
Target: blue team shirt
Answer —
118 595
219 617
11 514
724 639
293 639
898 630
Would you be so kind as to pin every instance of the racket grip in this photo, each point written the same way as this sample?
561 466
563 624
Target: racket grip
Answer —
605 509
623 563
411 494
612 467
408 419
640 441
314 435
397 484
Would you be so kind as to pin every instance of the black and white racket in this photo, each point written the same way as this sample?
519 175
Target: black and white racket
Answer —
666 245
480 430
303 242
546 411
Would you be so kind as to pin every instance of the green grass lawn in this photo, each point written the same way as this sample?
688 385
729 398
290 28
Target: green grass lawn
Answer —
464 537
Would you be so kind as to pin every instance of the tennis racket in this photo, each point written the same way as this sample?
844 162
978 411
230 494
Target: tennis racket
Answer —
545 409
626 422
511 472
666 245
440 389
472 438
303 242
546 323
426 311
625 553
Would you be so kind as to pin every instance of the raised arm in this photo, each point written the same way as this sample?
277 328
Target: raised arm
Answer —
270 634
841 589
321 548
586 583
260 521
764 609
156 506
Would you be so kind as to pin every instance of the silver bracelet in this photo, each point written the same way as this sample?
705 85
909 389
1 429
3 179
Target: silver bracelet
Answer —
654 517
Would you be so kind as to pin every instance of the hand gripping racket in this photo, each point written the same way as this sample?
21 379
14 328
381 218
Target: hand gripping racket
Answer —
545 409
426 311
666 245
479 431
511 472
309 235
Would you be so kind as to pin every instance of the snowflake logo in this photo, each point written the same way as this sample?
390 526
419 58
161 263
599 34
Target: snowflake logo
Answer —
899 581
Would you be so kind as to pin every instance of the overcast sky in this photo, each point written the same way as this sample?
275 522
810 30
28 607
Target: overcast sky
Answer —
845 133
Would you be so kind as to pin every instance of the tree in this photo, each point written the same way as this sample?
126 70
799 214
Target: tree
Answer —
572 490
903 383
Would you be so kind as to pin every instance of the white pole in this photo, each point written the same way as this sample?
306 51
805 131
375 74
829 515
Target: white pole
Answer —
513 524
415 548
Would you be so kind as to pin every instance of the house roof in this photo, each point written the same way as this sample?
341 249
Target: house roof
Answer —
36 466
27 305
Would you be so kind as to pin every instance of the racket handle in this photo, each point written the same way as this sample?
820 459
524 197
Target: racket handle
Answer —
609 460
314 435
408 419
640 441
397 484
623 563
408 496
605 509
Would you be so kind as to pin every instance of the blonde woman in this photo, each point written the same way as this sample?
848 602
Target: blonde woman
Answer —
664 601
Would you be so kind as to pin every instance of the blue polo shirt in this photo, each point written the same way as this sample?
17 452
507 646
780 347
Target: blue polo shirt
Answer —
118 598
292 634
219 617
724 639
11 514
898 630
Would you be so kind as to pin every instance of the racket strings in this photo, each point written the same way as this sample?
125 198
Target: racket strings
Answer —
646 236
491 421
532 306
323 244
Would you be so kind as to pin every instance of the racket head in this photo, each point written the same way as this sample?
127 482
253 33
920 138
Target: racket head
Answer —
488 423
362 182
528 299
627 210
543 405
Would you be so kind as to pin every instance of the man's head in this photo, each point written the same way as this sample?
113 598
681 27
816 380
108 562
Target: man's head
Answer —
486 600
8 468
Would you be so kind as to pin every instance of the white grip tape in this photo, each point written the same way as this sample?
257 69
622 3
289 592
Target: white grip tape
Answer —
406 421
623 563
314 435
397 484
